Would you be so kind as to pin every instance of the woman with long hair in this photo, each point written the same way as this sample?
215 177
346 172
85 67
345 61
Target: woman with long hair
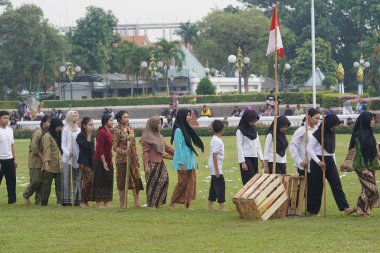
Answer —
184 160
248 145
103 167
70 161
281 145
314 150
154 150
365 162
85 141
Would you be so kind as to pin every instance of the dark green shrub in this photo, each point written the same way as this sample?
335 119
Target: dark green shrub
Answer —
205 87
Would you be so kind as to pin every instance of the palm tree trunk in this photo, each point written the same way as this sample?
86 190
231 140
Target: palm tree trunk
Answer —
167 80
133 82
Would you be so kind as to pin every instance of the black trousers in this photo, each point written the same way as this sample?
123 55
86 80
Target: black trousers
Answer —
8 170
253 168
280 168
217 189
316 185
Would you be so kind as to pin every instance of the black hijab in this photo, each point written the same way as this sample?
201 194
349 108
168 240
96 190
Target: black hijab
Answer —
54 123
363 132
331 120
244 126
281 141
188 132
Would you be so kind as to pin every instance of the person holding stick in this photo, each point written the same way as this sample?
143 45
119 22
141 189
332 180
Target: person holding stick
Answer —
124 144
103 167
248 145
71 175
154 150
184 160
85 141
365 162
325 134
281 144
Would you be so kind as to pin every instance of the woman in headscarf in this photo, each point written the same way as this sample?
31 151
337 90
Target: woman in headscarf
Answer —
154 149
70 164
248 145
52 158
314 150
184 161
281 144
103 166
365 162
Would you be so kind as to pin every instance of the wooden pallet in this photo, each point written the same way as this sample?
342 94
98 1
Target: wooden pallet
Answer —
261 198
296 192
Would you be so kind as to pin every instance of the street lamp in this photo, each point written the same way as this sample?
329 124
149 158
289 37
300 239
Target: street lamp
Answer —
69 70
287 67
240 63
153 66
361 65
172 81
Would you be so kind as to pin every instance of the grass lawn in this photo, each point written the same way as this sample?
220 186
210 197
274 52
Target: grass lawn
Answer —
67 229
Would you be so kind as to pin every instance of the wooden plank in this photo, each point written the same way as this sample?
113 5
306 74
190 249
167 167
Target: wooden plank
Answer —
293 202
254 186
281 200
247 186
264 194
268 181
271 199
301 196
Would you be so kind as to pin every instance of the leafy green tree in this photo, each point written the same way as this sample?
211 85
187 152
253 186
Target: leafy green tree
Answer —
189 33
170 53
301 70
371 51
30 49
93 40
5 3
205 87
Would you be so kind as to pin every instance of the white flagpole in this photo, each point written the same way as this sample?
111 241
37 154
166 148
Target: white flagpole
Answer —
313 54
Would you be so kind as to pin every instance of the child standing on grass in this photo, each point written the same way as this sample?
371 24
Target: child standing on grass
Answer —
215 162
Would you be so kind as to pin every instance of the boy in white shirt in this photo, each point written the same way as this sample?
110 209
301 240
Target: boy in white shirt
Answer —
215 162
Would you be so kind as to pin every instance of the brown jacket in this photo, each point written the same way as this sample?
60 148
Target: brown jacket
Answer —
35 148
52 153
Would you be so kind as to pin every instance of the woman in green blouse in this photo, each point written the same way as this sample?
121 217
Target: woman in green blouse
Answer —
365 162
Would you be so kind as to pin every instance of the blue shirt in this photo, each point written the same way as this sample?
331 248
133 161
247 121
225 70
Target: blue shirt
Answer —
182 153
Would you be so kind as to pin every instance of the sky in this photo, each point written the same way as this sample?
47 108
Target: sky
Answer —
66 12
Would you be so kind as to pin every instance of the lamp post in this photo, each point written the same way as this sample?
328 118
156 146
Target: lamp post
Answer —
287 67
361 65
172 81
143 65
69 70
153 66
240 63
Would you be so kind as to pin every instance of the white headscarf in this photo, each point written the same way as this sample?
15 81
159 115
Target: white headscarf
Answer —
69 120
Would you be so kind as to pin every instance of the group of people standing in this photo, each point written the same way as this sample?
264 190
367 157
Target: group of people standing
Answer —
83 170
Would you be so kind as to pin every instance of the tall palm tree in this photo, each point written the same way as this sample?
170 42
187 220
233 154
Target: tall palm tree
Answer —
371 49
170 53
189 33
134 56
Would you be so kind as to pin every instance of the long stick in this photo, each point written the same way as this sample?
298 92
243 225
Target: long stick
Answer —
127 175
306 156
275 95
323 160
71 168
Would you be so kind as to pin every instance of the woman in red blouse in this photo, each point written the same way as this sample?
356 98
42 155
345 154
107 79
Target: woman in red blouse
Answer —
103 168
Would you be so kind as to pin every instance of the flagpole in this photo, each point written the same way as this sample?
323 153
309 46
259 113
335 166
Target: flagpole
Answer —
313 54
275 93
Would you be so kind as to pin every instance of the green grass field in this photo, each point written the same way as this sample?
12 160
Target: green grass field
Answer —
67 229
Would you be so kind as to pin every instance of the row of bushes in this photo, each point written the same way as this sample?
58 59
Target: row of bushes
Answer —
206 131
325 99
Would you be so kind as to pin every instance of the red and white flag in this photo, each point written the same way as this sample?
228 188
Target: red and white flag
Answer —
275 27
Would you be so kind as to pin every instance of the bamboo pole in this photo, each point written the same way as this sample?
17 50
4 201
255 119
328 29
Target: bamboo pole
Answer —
275 94
127 169
323 160
306 156
71 167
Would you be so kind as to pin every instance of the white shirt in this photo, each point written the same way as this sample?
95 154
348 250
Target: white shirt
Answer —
66 146
297 144
216 146
247 147
6 142
268 151
314 149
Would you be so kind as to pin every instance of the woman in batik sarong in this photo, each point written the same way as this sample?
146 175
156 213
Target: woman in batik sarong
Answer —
154 149
365 162
184 161
124 144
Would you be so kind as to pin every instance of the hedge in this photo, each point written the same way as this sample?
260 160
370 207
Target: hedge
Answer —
206 131
325 99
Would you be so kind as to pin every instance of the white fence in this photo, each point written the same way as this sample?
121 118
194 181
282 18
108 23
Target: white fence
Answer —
203 121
